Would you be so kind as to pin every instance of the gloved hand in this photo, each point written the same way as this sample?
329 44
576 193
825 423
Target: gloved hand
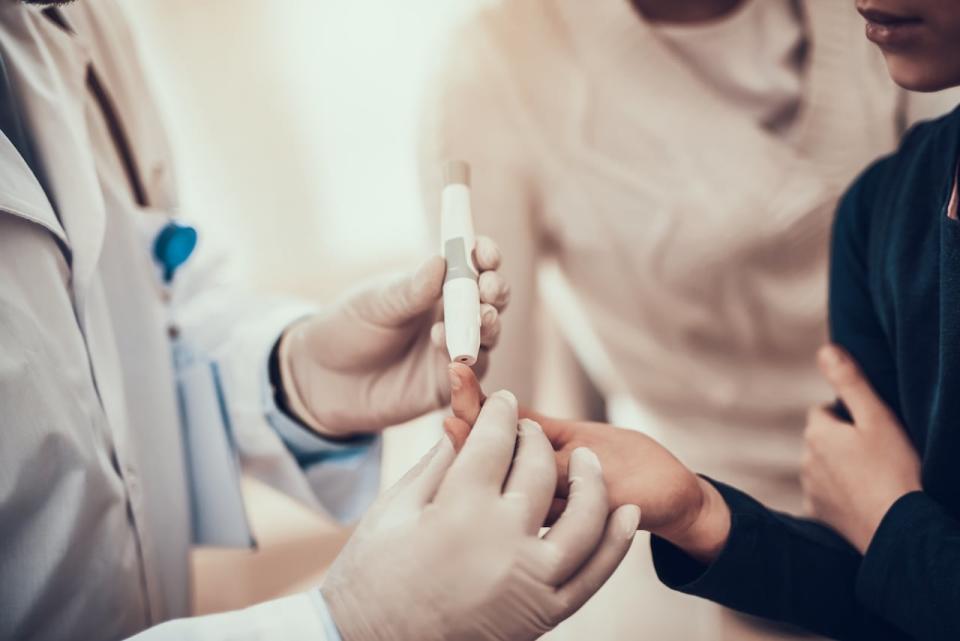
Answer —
377 358
452 552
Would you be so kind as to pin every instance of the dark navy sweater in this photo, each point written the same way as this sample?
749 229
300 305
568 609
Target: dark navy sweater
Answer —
895 305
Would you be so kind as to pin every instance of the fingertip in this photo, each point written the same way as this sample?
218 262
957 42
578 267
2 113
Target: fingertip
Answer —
462 371
627 519
494 289
456 383
531 426
829 357
507 397
583 458
487 254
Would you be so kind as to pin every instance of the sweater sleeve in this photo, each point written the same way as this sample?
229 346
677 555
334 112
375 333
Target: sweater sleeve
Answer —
779 567
911 572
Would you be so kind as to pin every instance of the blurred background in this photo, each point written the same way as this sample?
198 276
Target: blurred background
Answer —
310 177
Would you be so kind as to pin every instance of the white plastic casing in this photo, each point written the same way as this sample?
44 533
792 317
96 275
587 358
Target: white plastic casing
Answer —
461 293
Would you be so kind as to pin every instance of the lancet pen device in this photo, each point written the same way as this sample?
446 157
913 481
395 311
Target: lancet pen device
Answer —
461 292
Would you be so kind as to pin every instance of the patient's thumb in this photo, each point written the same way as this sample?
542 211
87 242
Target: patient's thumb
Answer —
457 430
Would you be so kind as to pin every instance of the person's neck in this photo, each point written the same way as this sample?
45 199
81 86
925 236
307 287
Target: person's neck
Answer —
685 11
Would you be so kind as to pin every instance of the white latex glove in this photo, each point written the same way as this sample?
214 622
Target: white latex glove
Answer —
453 552
377 358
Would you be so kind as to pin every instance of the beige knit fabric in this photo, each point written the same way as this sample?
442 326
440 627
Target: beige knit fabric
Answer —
693 240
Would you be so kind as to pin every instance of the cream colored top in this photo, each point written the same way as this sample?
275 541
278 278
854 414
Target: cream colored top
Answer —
694 240
752 57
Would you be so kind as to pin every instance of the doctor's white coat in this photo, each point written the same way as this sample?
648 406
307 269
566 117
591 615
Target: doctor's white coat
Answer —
94 507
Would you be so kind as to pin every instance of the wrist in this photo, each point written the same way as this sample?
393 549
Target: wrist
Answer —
706 534
287 393
869 523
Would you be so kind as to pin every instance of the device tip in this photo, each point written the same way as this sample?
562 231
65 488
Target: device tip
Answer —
456 172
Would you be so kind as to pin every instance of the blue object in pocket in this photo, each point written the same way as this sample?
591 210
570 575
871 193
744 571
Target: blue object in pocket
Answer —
219 516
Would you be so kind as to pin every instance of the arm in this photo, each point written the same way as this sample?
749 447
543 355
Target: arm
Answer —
472 114
911 569
863 476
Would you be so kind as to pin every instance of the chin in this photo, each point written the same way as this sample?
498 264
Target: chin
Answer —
922 75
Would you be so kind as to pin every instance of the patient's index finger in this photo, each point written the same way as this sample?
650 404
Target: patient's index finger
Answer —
488 452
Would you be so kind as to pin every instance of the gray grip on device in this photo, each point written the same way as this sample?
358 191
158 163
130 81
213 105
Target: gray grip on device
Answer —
458 263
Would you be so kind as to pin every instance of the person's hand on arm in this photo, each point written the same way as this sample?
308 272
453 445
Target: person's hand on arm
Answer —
453 551
852 473
377 357
676 504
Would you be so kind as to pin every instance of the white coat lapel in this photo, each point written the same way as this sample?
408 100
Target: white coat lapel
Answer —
21 194
48 72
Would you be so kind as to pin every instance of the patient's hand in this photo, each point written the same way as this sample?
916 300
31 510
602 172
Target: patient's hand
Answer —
674 502
854 472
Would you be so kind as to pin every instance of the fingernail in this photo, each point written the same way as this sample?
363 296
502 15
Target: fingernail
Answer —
488 316
586 457
530 426
507 396
455 382
630 520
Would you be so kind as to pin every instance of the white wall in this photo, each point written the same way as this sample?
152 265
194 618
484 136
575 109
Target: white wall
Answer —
294 123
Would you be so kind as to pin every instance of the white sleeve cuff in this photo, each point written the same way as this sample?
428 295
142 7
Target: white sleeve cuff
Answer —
329 625
295 618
